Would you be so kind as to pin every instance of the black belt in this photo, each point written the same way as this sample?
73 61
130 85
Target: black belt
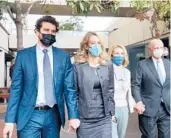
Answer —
46 107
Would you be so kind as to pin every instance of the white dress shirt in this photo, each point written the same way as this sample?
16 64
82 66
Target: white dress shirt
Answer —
161 66
41 100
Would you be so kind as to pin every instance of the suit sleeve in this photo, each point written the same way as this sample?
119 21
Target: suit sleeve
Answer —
136 84
111 90
69 91
15 91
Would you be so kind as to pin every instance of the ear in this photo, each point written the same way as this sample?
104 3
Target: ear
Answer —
37 32
86 47
149 48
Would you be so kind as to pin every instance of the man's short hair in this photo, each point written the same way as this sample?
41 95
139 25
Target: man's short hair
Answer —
48 19
154 41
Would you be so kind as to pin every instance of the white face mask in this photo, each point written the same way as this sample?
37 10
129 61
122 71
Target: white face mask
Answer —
158 53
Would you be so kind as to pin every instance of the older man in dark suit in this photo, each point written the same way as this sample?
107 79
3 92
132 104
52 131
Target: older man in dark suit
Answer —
151 90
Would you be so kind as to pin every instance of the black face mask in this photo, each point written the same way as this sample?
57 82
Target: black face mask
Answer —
48 39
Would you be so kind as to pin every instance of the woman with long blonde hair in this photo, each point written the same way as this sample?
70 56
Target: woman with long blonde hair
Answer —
124 102
95 86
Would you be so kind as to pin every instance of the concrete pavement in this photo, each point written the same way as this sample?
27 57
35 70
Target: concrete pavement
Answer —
132 131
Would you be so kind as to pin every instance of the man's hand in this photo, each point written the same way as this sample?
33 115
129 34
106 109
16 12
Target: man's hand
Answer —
74 124
140 107
8 130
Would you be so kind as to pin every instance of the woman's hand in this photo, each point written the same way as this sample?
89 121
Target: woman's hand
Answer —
114 119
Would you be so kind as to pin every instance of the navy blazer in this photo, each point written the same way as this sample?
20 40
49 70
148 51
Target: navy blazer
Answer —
24 88
84 86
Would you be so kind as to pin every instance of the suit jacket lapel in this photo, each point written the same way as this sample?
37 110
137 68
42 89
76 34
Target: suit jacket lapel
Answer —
33 60
153 69
56 60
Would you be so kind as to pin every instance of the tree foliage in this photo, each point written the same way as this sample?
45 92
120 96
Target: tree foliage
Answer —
74 23
160 11
14 9
85 6
2 7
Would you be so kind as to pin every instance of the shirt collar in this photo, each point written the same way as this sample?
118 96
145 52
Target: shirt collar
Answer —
40 48
155 60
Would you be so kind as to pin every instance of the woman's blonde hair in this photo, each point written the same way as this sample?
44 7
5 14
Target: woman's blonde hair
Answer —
82 54
112 49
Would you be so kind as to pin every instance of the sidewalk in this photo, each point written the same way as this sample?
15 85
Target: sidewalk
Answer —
132 131
64 132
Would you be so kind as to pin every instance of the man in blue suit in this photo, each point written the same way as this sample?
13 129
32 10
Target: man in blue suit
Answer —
42 78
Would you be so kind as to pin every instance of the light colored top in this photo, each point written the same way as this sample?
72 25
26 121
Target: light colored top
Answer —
161 66
122 95
41 100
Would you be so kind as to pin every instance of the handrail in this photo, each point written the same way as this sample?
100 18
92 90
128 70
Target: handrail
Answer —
4 88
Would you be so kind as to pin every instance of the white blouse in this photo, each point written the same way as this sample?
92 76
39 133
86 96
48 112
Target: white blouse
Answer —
123 96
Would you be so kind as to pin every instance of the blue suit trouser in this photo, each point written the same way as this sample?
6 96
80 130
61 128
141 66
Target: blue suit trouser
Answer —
42 124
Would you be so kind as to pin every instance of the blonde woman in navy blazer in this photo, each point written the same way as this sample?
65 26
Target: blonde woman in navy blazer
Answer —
95 86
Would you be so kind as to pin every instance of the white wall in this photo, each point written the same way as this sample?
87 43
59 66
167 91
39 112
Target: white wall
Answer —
3 39
71 39
28 40
2 69
65 39
3 49
132 32
8 74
